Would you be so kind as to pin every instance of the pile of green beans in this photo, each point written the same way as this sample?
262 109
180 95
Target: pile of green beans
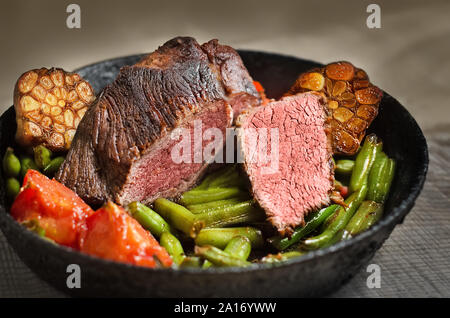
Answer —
220 219
209 216
16 166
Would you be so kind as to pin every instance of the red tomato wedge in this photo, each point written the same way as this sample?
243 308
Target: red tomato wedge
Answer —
260 89
59 211
112 234
258 86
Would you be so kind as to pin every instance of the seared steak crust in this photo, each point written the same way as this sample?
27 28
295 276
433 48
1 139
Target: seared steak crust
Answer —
145 103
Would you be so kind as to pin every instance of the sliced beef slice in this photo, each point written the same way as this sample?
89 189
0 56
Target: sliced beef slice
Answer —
297 175
122 148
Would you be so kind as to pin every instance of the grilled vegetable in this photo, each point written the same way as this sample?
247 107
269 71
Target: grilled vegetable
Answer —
364 161
239 246
42 156
243 212
368 214
380 179
352 101
49 104
338 220
216 177
213 205
276 258
219 257
26 163
112 234
220 237
344 166
213 194
230 178
314 221
173 247
179 217
11 164
12 187
53 166
191 262
60 212
148 218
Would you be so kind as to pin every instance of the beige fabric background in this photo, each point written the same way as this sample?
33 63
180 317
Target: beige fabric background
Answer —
408 57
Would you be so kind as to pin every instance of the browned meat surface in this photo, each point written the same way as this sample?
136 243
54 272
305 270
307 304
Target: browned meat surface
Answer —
122 148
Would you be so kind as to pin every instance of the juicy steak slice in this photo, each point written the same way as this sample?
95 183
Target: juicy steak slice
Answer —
295 175
122 147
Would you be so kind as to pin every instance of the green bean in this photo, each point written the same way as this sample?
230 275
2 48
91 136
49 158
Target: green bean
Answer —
213 194
344 166
380 181
12 188
42 156
314 221
239 246
339 220
179 217
376 175
220 237
191 261
231 179
11 164
364 161
219 257
53 166
276 258
212 176
388 177
173 247
244 212
149 219
26 163
327 222
368 214
209 206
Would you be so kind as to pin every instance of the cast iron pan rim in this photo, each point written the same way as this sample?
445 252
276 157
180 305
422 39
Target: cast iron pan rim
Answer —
396 216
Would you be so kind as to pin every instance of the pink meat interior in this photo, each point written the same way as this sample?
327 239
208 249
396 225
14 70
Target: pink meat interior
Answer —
156 174
303 177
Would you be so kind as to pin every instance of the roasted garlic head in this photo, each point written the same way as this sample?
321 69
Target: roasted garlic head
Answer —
49 105
352 101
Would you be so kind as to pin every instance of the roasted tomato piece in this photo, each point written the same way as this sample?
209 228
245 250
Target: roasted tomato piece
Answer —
112 234
59 211
262 92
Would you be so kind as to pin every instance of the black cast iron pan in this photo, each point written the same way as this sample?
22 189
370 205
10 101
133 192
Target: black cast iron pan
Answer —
314 274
